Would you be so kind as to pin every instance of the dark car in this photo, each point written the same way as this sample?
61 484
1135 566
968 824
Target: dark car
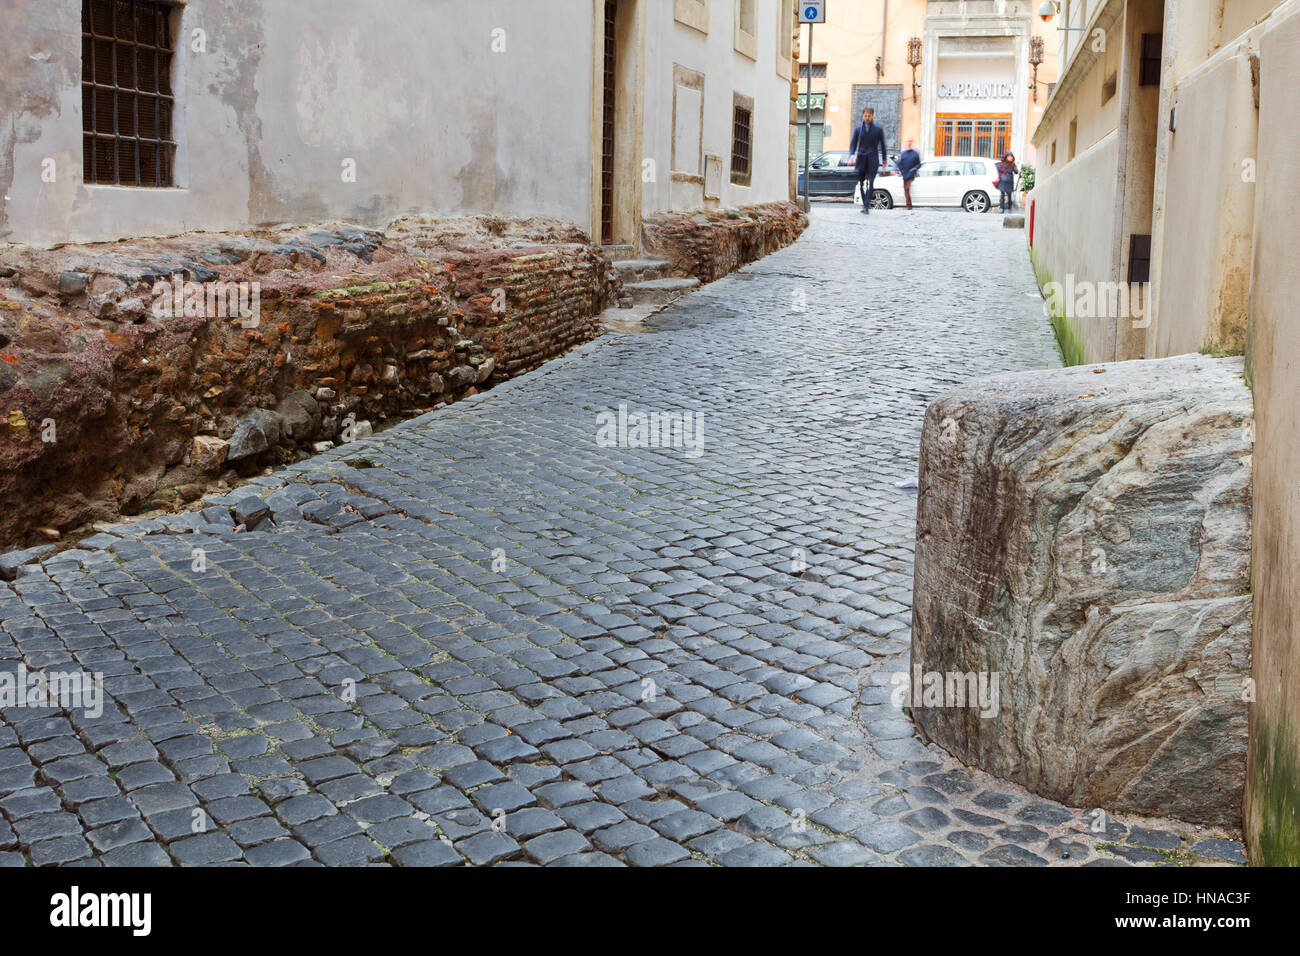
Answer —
834 175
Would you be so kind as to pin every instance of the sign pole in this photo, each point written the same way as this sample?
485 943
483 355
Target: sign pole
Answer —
807 122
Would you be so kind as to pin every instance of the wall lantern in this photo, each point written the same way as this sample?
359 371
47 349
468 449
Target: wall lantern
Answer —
1035 59
914 60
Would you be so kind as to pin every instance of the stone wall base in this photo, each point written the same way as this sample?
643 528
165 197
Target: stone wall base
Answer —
710 245
134 373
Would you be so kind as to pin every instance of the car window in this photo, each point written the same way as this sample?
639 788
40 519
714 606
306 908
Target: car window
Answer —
975 169
929 169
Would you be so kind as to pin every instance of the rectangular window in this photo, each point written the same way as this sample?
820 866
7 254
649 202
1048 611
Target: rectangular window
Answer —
1074 139
1139 258
818 71
688 123
785 26
692 13
1108 88
987 135
747 16
1149 71
741 140
126 93
746 32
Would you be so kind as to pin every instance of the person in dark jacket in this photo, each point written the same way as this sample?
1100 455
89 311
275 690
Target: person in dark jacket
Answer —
868 146
1007 170
909 161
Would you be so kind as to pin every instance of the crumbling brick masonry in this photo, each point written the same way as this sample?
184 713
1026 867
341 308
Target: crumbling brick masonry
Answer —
125 384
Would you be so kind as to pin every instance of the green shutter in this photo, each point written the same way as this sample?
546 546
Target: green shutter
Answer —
815 145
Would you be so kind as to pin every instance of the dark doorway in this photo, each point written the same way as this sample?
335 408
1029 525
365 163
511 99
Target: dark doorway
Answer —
607 125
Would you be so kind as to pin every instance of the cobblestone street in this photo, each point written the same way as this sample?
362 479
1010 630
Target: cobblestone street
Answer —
482 637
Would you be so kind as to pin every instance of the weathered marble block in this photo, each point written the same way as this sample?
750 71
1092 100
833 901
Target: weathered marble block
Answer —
1084 535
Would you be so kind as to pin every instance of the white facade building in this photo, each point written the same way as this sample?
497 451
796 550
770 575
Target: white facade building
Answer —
124 118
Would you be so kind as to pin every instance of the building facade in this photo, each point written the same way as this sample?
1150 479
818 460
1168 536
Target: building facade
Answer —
152 117
956 77
1170 171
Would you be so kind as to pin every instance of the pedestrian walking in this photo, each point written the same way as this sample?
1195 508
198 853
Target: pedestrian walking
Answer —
909 161
868 149
1007 170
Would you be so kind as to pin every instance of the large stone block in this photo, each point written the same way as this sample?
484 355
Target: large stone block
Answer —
1084 535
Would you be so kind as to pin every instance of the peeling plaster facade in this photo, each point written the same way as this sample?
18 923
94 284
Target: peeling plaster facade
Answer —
445 108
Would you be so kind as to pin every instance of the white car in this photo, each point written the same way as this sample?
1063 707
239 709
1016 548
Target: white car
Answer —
965 181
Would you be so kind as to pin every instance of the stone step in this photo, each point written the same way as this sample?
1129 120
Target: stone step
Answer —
660 290
619 251
642 270
632 319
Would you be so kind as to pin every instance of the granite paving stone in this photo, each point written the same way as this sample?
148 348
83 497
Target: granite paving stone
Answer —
508 641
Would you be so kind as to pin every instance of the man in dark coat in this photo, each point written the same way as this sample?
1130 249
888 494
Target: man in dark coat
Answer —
908 162
868 146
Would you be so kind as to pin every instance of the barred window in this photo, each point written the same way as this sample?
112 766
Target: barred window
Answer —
818 71
741 141
126 94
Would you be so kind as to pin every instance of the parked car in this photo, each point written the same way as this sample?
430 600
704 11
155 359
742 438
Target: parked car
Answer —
965 181
834 175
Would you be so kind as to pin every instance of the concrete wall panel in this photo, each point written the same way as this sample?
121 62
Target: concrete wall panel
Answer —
1074 213
1209 211
1273 774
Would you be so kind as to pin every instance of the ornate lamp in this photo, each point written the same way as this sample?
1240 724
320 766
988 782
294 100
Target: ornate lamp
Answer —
914 60
1035 59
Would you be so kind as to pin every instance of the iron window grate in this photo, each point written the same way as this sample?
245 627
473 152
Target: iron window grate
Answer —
126 96
740 141
608 118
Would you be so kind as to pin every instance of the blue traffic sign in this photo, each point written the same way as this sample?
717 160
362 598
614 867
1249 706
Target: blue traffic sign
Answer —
812 11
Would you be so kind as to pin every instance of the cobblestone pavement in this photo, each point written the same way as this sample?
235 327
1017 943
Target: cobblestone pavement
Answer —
482 637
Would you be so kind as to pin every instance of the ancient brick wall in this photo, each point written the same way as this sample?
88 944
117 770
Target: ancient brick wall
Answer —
710 245
113 399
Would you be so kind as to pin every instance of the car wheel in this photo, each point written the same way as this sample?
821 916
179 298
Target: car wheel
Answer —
975 201
880 199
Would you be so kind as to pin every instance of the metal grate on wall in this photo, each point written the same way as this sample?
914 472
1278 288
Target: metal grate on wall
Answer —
740 141
607 120
126 96
988 136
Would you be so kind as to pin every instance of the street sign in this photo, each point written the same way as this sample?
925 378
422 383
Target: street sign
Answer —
812 11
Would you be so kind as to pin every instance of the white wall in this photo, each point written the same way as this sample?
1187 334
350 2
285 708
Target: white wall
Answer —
410 89
1074 215
1203 276
726 72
